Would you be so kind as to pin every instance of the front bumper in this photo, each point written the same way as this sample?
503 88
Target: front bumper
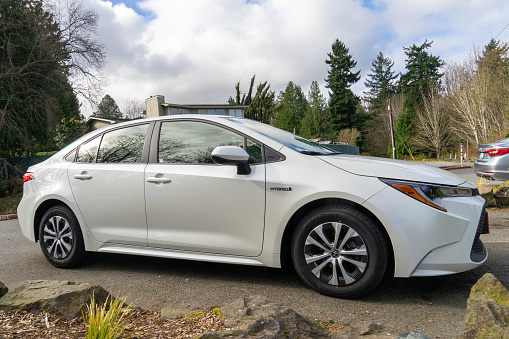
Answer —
436 262
427 241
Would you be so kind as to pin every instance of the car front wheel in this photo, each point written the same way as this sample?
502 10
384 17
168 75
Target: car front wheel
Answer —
60 238
339 251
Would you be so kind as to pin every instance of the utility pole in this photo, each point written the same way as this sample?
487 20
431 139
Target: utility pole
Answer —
392 130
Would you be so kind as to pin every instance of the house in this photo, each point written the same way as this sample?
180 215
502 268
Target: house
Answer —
155 107
96 122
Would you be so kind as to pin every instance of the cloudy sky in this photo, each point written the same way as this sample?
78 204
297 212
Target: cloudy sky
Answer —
194 51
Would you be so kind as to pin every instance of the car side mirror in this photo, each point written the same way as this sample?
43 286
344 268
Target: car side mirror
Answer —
232 155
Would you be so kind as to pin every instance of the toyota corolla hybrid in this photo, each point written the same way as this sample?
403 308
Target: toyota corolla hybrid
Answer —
233 190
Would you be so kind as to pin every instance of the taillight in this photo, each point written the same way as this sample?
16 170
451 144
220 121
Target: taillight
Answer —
28 176
497 151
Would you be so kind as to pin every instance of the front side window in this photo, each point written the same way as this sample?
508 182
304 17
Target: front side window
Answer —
255 152
191 142
124 145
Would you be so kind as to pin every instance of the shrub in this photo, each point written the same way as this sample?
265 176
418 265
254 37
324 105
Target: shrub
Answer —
106 321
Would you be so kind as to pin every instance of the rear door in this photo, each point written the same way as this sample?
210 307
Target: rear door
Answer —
107 180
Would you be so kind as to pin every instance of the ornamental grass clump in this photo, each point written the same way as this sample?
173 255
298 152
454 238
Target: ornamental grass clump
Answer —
106 321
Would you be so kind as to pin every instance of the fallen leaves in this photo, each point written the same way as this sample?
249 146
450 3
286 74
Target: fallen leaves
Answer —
144 324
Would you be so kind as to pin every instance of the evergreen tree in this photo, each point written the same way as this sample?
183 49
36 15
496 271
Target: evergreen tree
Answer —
39 53
494 58
261 106
342 101
423 71
292 106
246 99
381 83
313 123
422 68
34 92
108 108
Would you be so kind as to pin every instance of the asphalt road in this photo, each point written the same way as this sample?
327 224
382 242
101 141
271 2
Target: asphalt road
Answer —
435 306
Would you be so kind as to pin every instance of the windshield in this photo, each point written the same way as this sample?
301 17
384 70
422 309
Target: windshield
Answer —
288 139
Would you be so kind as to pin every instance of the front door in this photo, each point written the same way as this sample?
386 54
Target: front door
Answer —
196 205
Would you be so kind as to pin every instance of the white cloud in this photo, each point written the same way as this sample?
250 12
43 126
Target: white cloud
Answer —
194 51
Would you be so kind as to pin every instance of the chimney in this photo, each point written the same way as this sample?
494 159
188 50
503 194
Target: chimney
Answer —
154 106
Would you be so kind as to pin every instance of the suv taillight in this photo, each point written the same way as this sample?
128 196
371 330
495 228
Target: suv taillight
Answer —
28 176
497 151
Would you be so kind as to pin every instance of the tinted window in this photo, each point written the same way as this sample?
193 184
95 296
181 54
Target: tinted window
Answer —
255 152
88 151
123 145
189 142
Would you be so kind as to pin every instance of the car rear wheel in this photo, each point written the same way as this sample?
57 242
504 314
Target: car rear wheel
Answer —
340 252
60 238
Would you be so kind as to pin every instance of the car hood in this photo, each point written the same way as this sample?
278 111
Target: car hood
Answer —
392 169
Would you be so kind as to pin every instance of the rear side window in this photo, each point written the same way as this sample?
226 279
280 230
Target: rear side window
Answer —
88 151
123 145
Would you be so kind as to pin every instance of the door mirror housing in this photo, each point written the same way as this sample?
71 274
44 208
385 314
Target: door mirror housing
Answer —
232 155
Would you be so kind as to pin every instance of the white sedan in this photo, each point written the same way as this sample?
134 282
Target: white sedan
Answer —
233 190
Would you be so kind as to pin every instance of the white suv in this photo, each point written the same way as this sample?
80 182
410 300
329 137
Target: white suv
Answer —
233 190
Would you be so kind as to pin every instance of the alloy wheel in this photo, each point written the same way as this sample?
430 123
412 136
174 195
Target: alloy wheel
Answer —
335 253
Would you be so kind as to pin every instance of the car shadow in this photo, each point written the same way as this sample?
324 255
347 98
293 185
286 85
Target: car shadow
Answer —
451 289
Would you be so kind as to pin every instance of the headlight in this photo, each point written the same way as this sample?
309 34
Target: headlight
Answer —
430 194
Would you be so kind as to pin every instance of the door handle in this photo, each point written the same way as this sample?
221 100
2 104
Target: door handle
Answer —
158 180
83 176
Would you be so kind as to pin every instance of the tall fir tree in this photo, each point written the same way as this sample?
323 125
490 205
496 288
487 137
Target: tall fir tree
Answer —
292 105
423 70
108 108
342 113
313 123
381 83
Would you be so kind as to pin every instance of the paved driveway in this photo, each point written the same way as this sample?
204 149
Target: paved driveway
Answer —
435 306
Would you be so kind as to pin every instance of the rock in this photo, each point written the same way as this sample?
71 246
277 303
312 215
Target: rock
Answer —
3 290
502 195
170 312
485 189
371 331
58 297
490 199
259 317
412 335
487 310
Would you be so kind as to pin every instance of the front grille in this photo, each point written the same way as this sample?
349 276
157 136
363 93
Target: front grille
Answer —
478 252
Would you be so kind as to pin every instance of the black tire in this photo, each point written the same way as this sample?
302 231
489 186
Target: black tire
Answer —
61 239
347 254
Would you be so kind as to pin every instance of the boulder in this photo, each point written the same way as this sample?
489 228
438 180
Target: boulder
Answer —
58 297
258 316
3 290
487 310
